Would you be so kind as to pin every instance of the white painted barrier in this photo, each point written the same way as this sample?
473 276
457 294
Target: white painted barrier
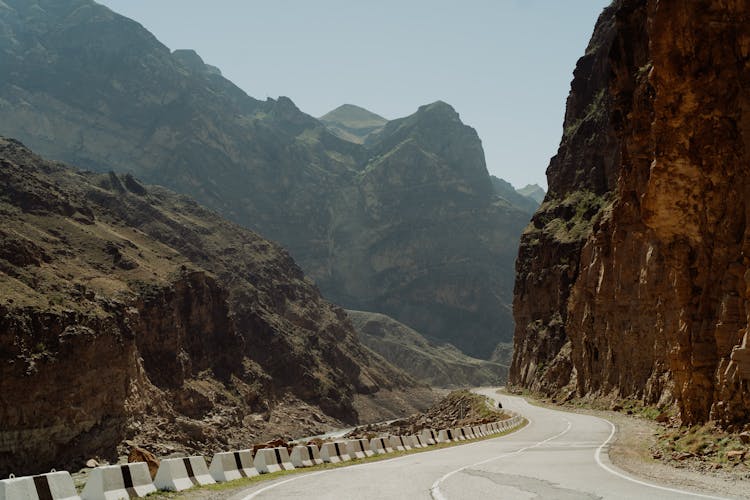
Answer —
477 431
467 432
50 486
118 481
446 436
458 434
485 429
398 443
305 456
359 448
231 465
380 446
334 452
415 441
177 474
272 460
429 436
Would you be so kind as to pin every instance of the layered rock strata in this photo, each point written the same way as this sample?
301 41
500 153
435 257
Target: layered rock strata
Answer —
131 314
633 279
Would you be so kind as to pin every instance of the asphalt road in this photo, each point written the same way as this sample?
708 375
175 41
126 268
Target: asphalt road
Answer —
558 455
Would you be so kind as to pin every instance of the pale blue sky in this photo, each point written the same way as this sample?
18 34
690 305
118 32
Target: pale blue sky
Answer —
505 65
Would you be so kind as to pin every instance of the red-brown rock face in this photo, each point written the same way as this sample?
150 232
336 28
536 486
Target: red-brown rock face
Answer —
634 277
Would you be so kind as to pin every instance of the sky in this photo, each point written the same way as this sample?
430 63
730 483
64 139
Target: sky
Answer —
504 65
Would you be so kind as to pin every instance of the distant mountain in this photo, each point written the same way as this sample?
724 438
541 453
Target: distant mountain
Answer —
440 365
353 123
130 312
533 191
505 190
406 224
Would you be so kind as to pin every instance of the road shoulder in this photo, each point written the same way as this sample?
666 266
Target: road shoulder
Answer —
631 452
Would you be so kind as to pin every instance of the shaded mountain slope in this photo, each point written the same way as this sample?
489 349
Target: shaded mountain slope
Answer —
405 224
440 365
129 312
505 190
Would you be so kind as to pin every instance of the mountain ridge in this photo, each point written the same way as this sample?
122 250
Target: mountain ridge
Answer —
357 218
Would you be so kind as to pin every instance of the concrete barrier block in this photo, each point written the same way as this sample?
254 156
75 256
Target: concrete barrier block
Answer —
305 456
231 465
398 443
177 474
334 452
445 436
359 448
467 432
380 446
415 441
272 460
112 482
51 486
458 434
429 436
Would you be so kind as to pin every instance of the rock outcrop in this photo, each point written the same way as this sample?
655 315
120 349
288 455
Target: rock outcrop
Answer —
435 364
633 277
405 224
131 315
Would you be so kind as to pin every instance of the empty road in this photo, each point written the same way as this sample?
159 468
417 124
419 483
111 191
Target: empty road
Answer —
558 455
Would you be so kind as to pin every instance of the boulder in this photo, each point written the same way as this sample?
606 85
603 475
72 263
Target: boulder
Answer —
138 454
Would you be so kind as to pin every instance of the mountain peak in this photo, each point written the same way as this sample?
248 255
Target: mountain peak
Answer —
533 191
353 123
351 115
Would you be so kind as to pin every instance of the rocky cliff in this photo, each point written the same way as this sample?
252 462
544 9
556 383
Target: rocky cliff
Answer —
132 313
405 224
633 279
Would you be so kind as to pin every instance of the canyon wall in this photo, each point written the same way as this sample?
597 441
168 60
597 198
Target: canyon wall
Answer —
130 314
633 278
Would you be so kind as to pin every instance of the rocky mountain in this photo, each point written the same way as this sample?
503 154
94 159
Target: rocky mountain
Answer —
131 313
633 277
533 191
406 224
353 123
505 190
439 365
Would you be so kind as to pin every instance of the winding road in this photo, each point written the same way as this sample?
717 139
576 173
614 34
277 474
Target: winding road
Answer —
559 455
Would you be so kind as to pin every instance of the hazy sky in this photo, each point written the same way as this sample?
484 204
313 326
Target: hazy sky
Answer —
505 65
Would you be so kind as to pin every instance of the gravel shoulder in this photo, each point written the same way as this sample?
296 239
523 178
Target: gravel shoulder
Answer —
631 452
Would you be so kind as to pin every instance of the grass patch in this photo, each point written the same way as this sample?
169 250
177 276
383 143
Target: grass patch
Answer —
247 482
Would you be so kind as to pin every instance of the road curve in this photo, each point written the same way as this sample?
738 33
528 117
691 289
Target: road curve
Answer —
558 455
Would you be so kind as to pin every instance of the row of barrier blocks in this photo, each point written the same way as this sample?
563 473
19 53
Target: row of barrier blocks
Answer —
133 480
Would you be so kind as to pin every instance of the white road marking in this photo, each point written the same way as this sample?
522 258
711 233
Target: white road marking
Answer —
369 464
435 489
604 466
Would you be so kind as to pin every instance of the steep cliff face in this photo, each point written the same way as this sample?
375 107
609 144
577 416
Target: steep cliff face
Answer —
651 296
421 235
132 313
371 223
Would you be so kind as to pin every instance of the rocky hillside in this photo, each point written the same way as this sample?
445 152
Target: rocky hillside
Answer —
439 365
632 278
353 123
505 190
533 191
132 313
406 225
